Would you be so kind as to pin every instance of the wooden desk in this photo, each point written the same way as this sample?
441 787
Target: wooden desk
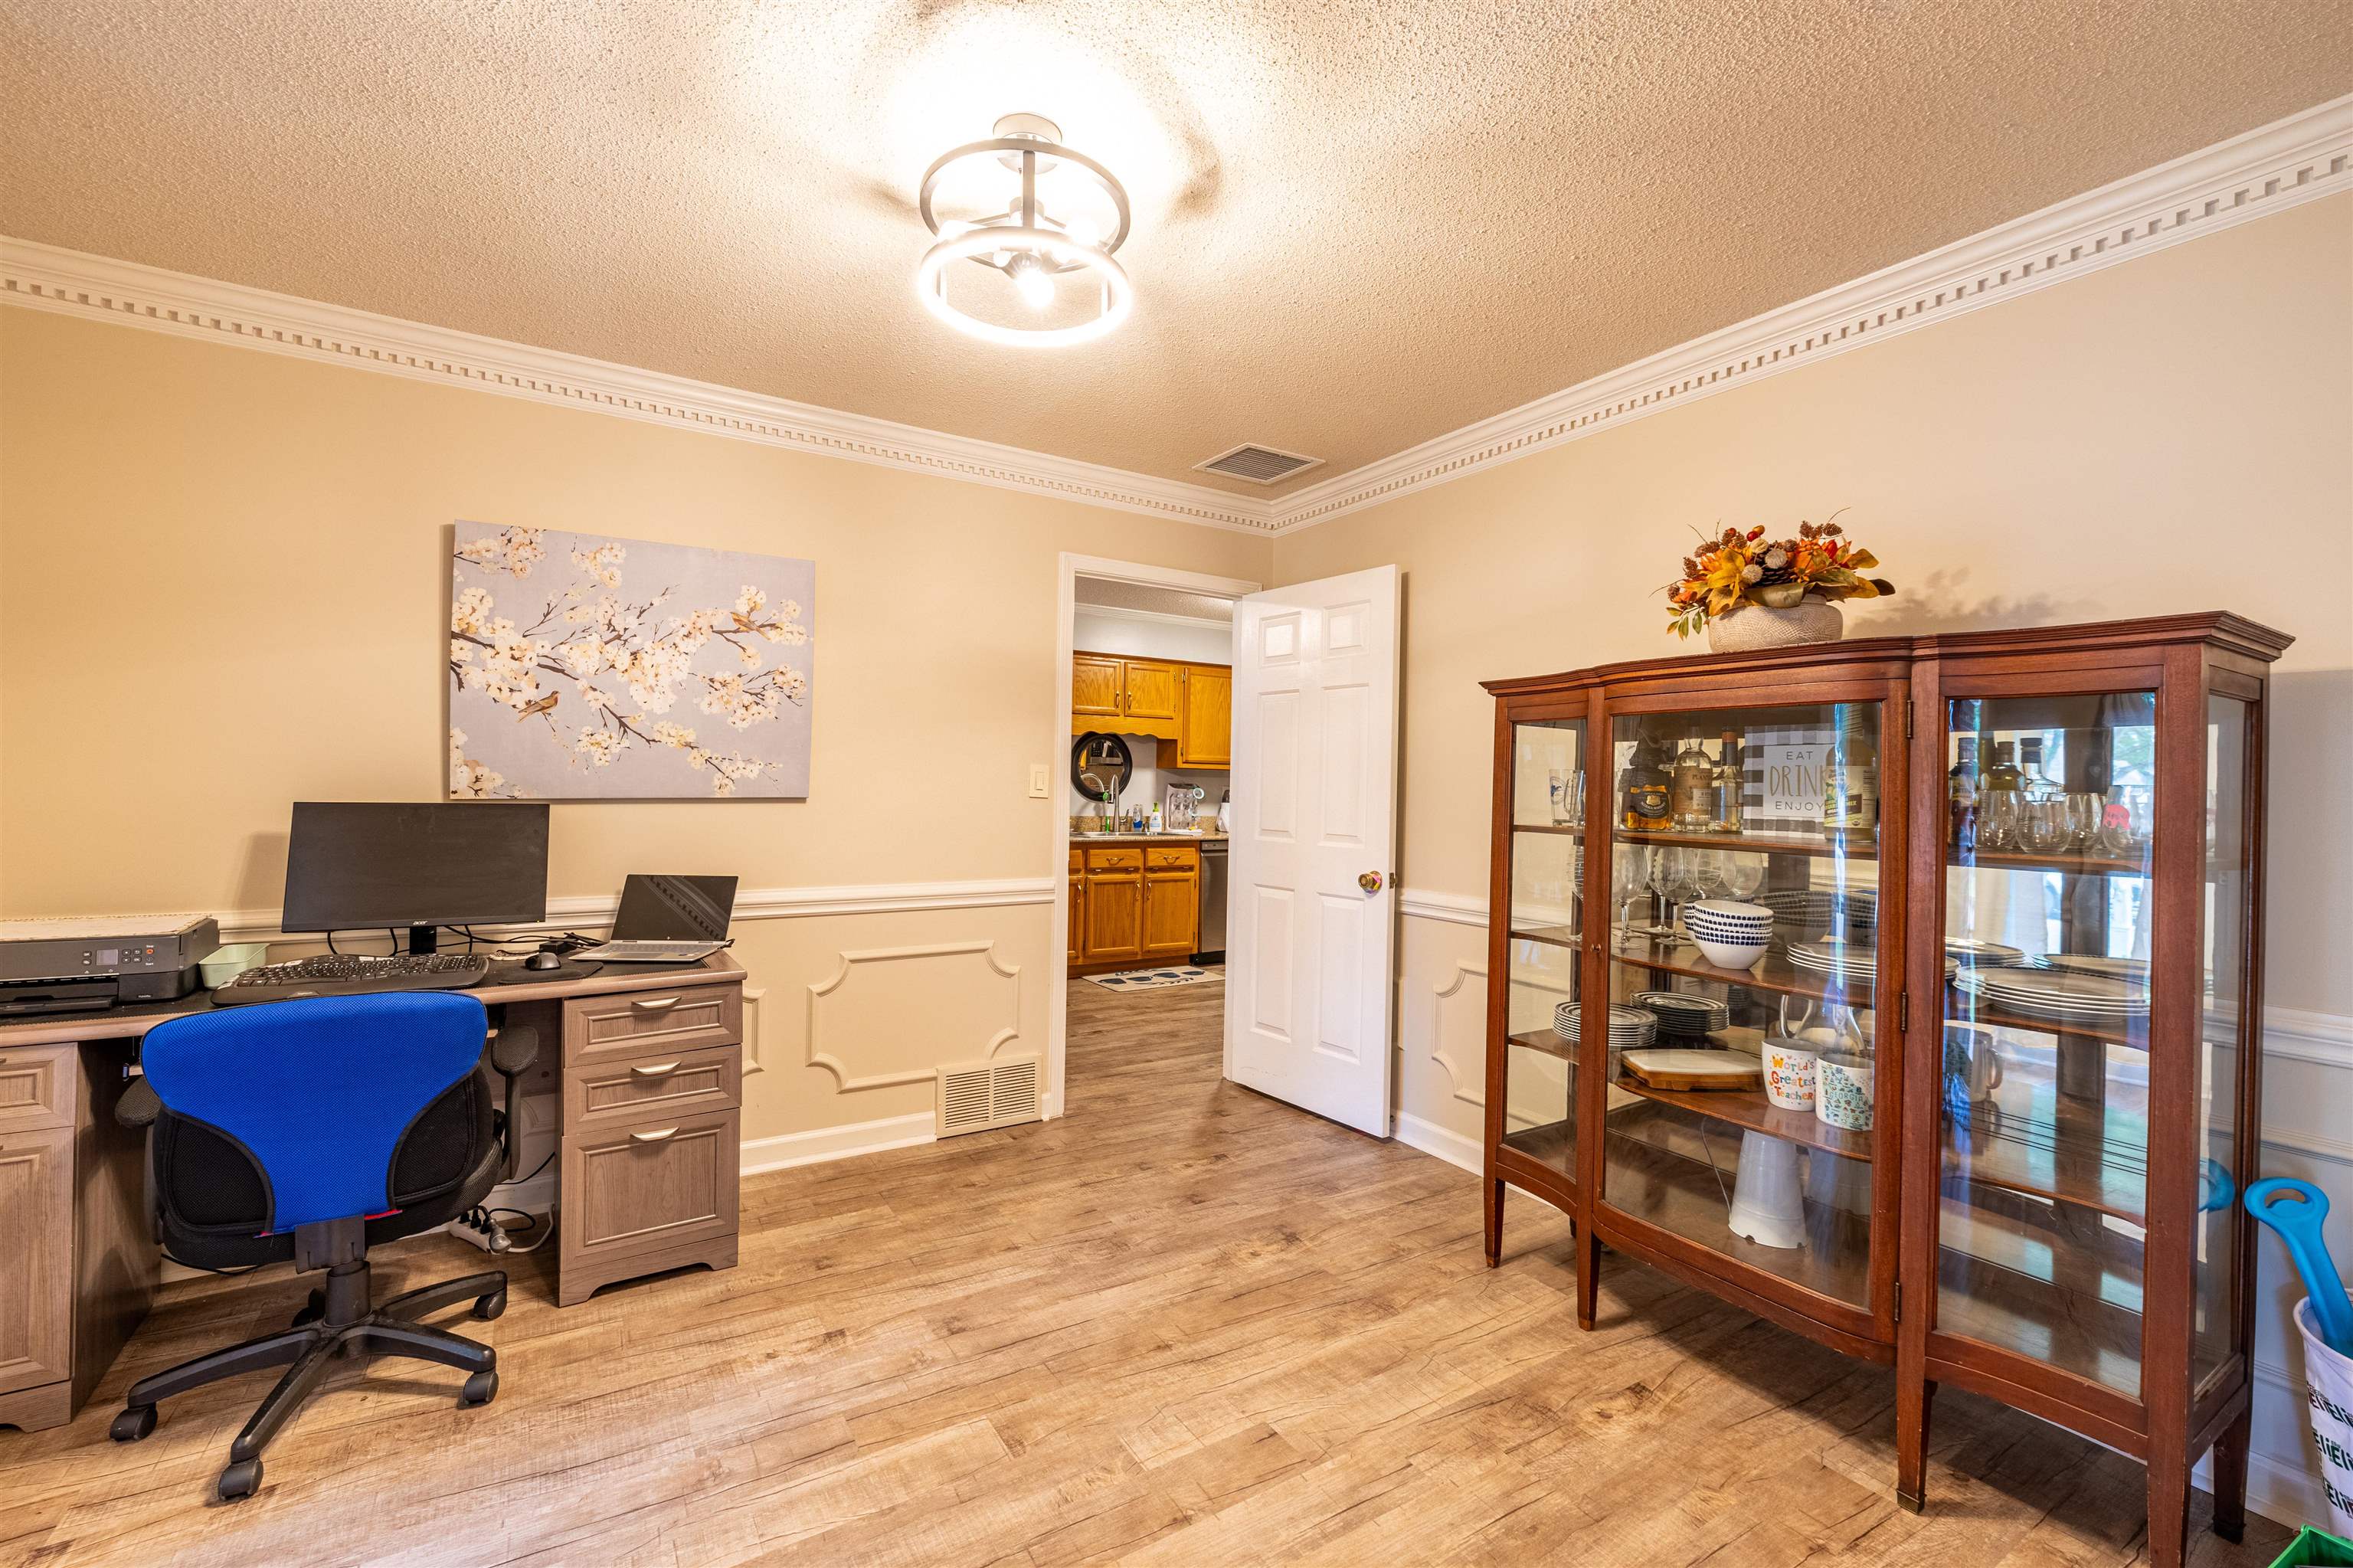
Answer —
647 1065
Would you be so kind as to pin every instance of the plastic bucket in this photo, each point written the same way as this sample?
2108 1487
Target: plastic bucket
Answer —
2328 1378
2312 1549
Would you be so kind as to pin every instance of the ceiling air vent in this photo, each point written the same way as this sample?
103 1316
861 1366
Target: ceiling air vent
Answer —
1260 465
977 1095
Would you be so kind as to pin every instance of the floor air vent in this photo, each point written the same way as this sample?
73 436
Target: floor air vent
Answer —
977 1095
1260 465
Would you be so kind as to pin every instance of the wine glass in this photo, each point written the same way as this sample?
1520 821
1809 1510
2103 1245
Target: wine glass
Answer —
1709 872
1999 819
2042 828
1744 874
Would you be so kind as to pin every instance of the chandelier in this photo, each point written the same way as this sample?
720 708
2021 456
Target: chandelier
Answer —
1041 224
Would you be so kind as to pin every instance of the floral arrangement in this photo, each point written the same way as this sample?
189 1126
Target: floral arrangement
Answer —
1737 569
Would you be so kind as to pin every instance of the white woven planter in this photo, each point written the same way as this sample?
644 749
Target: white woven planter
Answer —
1754 626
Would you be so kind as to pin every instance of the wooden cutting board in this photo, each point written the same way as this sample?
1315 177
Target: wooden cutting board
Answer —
1695 1070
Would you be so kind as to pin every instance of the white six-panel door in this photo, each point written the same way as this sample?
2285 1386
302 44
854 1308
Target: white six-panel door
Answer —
1311 911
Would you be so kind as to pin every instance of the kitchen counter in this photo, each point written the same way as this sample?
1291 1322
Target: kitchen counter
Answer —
1212 836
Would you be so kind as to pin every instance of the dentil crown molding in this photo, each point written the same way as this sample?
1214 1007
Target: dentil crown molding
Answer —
48 277
2281 165
2268 170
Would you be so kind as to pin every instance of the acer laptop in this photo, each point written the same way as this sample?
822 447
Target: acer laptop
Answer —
668 921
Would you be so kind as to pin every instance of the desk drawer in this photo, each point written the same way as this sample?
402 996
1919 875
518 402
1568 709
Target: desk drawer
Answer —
38 1084
656 1185
651 1090
652 1023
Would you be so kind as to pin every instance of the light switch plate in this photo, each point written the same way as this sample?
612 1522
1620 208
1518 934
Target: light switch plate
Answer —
1037 780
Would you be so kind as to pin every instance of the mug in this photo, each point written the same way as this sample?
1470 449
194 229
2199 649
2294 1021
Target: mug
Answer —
1789 1074
1972 1061
1843 1099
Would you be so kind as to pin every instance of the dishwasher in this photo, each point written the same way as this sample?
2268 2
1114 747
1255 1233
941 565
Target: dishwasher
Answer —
1212 939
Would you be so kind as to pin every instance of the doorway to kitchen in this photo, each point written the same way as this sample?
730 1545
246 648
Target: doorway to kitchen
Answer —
1142 738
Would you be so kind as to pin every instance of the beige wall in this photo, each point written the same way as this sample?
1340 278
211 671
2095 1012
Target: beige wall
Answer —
2175 433
2171 434
223 586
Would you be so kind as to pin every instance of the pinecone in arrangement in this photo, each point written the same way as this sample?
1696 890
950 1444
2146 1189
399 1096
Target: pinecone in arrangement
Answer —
1775 584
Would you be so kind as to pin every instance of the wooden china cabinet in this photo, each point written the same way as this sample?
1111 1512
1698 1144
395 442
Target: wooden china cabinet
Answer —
2015 967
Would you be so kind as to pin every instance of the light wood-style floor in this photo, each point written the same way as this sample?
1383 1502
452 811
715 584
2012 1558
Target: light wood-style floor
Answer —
1184 1325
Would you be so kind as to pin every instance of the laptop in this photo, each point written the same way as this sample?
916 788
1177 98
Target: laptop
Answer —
668 921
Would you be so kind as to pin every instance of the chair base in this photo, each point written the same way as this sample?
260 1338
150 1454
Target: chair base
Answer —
339 1322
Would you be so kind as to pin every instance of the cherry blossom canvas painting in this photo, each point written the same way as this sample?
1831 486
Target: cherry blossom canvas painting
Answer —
583 667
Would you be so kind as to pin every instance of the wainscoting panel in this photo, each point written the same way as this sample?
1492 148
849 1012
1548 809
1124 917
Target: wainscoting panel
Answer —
889 1015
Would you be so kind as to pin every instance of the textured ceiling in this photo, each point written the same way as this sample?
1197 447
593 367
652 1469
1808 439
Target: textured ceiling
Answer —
1357 226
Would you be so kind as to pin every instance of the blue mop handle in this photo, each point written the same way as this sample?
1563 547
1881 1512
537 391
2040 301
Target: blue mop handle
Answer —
2296 1209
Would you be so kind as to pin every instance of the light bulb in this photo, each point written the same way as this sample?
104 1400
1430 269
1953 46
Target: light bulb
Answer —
1033 282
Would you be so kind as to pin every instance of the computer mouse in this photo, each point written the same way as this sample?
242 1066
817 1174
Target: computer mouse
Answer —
544 961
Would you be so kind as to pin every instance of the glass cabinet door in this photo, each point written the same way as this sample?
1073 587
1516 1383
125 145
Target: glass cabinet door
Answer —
1745 965
2229 907
1547 868
2043 1103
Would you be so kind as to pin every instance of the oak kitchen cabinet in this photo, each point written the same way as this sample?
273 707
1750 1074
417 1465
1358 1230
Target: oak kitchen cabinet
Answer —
1187 707
1135 903
1129 696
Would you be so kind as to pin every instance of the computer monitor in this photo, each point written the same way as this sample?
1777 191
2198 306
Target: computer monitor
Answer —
350 864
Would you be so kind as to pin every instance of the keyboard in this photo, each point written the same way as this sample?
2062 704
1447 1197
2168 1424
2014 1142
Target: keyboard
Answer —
352 974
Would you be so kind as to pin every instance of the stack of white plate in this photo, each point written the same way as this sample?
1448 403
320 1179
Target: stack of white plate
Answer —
1982 955
2133 969
1828 956
1802 914
1628 1026
1682 1015
2069 996
1851 961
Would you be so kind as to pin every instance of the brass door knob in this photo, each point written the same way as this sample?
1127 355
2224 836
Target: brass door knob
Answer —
1371 882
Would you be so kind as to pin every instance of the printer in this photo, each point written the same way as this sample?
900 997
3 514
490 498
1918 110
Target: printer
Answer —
87 963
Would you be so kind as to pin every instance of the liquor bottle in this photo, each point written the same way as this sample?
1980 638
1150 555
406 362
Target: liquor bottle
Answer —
2038 785
2004 773
1693 790
1851 786
1729 787
1643 789
1961 796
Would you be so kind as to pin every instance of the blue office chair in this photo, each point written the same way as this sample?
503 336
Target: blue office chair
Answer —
312 1129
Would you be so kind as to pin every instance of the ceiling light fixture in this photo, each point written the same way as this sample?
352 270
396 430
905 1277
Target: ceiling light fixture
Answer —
1056 206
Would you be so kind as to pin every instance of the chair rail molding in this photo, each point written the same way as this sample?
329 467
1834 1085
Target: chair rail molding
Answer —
751 904
2291 1034
852 959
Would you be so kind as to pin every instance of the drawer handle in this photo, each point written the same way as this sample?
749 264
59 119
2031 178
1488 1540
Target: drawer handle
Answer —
651 1137
656 1004
656 1069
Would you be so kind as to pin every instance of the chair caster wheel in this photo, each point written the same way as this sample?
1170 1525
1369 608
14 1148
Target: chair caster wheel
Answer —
312 1310
488 1307
481 1388
134 1423
241 1480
